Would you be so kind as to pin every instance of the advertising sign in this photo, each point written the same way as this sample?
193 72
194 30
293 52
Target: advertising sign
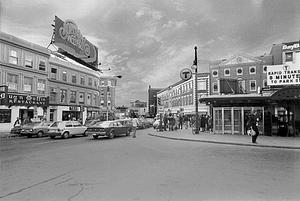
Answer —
283 75
27 100
292 46
72 44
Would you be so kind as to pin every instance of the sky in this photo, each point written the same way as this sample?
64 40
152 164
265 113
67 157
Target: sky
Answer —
149 42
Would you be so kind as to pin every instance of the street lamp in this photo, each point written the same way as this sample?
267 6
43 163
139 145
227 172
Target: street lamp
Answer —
117 76
194 66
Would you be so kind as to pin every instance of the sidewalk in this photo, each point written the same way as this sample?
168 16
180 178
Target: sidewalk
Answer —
242 140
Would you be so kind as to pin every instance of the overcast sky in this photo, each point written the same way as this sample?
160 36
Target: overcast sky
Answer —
149 42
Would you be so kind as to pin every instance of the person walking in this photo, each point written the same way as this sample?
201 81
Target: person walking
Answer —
186 121
165 120
254 123
180 121
135 125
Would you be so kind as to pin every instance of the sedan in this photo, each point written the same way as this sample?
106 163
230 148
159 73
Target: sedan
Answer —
38 129
66 129
109 129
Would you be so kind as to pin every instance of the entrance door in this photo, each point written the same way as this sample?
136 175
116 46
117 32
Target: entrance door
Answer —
237 121
227 121
25 114
218 121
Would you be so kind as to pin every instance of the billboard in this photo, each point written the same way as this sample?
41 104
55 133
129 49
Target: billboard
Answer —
71 43
278 75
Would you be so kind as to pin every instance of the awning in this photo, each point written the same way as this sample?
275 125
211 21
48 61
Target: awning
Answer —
287 94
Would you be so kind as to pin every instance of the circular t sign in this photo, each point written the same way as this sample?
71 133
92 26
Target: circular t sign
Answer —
186 74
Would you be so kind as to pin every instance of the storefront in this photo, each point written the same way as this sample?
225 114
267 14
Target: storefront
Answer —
25 107
230 113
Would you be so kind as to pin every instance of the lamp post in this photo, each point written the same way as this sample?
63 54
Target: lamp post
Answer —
196 92
108 89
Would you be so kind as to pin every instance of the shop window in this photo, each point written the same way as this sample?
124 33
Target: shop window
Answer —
81 97
215 87
289 56
64 76
82 81
90 82
63 96
42 65
5 115
13 57
28 61
73 97
227 72
41 86
74 79
239 71
252 70
12 81
252 85
215 73
53 73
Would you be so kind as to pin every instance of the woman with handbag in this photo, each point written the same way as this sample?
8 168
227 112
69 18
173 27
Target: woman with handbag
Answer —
254 123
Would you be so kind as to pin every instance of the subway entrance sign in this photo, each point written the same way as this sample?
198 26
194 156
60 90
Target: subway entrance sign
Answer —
186 74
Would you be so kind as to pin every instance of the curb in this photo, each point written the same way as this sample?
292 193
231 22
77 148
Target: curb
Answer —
227 143
9 135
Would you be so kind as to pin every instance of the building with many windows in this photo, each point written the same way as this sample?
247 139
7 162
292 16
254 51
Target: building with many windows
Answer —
152 101
24 76
36 83
73 90
180 97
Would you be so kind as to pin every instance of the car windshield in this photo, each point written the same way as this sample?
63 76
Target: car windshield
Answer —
104 124
32 124
55 124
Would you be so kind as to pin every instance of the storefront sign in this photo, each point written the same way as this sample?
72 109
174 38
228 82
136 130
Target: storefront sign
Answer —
70 41
3 97
27 100
293 46
73 108
283 75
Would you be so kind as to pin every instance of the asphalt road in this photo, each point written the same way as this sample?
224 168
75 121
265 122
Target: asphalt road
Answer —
144 168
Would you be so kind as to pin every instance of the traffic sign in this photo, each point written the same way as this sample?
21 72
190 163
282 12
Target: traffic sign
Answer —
186 74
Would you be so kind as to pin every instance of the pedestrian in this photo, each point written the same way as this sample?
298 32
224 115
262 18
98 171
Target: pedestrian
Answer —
186 121
165 120
134 125
202 123
209 123
180 121
253 122
17 122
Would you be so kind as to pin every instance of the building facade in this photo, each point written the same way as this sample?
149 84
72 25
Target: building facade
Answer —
180 97
73 90
24 77
138 107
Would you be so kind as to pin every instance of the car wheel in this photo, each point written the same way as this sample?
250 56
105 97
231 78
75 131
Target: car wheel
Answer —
95 136
65 135
111 135
39 134
52 136
85 134
128 132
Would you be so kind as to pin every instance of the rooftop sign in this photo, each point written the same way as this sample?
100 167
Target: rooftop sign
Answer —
72 44
283 75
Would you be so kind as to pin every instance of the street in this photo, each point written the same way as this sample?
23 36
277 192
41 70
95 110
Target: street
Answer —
144 168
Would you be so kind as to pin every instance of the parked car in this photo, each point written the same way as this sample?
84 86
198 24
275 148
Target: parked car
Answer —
16 130
66 129
91 122
109 129
38 129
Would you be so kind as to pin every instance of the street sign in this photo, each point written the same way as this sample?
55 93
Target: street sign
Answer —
160 109
186 74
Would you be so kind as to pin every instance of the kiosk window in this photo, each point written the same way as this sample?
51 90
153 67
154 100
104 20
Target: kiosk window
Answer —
5 115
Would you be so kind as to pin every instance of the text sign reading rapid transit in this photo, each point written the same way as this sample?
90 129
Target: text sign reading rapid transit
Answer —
283 75
186 74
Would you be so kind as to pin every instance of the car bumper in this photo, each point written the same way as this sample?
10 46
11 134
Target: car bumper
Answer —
96 134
